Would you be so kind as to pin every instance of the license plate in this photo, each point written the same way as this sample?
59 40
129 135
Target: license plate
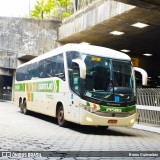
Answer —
112 121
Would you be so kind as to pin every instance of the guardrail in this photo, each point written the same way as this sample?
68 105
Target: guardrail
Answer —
148 96
148 105
148 114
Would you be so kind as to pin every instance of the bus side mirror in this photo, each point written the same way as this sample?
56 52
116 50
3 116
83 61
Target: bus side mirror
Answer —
82 67
144 75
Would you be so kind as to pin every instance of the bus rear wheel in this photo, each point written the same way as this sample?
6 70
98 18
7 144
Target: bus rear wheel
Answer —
60 117
24 108
21 106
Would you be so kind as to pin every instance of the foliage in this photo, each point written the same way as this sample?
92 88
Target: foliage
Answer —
48 8
64 3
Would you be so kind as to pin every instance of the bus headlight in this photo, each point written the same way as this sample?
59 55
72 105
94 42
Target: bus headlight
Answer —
89 119
132 121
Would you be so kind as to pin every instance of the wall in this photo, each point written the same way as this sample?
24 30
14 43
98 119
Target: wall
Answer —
150 64
22 37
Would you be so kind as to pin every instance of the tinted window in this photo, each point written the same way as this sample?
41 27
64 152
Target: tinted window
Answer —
22 73
31 71
73 70
50 67
122 73
59 67
41 69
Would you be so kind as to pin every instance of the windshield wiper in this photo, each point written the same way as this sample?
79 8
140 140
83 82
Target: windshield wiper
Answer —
112 84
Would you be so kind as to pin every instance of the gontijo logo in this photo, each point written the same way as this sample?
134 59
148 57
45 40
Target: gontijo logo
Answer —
48 86
45 86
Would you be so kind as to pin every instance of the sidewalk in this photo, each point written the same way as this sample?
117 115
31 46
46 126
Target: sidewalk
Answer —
147 127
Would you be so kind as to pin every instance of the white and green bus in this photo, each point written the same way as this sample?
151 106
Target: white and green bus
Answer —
80 83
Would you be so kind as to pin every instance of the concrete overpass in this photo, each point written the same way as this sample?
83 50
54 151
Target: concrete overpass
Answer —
96 23
149 4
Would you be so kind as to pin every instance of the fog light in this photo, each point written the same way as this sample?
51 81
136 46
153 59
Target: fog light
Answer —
89 119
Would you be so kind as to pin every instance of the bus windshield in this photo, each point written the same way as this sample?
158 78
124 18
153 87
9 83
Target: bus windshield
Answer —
107 80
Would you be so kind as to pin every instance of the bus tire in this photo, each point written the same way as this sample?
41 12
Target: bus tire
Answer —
60 117
25 110
21 106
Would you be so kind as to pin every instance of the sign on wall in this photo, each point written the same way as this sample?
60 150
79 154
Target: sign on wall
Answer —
135 62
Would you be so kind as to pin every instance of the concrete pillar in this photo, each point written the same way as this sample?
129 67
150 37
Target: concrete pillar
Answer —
13 84
1 86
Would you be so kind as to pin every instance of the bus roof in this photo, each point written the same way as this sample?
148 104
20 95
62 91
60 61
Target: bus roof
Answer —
84 48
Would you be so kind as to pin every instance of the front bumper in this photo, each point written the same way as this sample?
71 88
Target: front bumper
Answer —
88 118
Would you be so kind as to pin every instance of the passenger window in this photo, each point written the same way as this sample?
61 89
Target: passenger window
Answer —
59 67
41 71
22 73
50 66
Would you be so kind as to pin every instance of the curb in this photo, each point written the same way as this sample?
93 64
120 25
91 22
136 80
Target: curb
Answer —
148 128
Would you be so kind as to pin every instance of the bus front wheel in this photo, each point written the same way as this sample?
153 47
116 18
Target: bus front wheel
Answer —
60 116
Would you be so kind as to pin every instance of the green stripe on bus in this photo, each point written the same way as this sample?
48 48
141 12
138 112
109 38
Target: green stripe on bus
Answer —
20 87
32 97
57 85
117 109
45 86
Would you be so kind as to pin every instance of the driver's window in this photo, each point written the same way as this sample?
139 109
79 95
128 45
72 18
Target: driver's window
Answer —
73 71
76 78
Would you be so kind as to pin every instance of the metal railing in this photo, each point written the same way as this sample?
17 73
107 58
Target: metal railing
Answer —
148 96
148 105
148 114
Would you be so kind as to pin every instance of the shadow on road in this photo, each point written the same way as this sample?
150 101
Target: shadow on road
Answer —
111 131
95 130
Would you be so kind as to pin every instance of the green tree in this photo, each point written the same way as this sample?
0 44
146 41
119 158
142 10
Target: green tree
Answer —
47 8
64 8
